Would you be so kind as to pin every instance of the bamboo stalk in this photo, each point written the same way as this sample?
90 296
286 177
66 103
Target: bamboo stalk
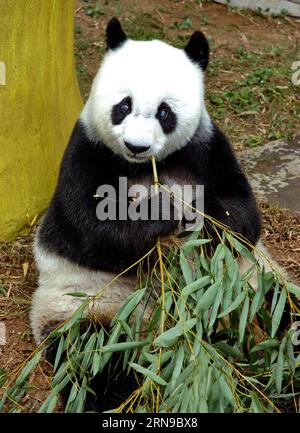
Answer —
161 270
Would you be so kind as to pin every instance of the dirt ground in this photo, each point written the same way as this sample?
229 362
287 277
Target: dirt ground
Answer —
242 43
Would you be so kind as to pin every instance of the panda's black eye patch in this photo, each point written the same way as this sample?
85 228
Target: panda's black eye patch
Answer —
121 110
166 117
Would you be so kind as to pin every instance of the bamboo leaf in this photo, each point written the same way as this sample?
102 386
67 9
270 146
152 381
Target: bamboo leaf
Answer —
145 372
207 298
233 271
171 336
275 296
74 319
186 270
129 305
242 249
292 288
59 352
196 285
216 305
234 305
257 300
76 294
228 349
23 376
96 363
193 244
267 344
179 358
243 319
256 404
279 368
120 347
226 391
278 312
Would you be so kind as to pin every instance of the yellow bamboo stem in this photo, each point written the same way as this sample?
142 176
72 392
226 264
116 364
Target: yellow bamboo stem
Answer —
161 270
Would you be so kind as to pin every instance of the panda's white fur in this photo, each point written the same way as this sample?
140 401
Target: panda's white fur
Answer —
58 276
132 70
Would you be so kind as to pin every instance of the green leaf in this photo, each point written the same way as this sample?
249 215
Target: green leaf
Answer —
228 349
207 298
243 319
129 305
196 285
96 364
233 271
126 328
74 318
234 305
78 404
292 288
216 306
171 336
204 263
144 371
279 367
187 246
186 270
242 249
120 347
179 359
51 404
290 353
219 253
77 294
226 390
23 376
267 344
3 377
89 349
72 396
256 404
59 352
278 312
257 300
275 296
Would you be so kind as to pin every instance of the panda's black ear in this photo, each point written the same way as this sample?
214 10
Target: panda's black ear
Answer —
115 35
197 49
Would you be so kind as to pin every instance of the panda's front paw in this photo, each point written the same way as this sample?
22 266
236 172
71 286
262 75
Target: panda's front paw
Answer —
161 219
166 220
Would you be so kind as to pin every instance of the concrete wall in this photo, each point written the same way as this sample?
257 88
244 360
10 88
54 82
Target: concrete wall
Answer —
273 6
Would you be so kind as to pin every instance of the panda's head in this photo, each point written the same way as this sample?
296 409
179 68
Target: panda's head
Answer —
147 97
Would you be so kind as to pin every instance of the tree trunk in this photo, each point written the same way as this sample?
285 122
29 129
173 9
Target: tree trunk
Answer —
39 104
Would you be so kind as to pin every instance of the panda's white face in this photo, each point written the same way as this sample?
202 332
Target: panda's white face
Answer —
147 99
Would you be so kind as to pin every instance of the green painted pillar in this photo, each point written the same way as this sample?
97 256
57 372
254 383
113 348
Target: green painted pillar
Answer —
39 104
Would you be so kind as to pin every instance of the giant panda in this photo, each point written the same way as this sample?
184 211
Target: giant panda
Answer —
146 100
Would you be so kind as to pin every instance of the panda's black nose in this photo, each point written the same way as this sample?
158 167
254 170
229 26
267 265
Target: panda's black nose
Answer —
136 149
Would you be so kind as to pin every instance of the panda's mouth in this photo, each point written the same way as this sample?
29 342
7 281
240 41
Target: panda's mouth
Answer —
134 157
136 153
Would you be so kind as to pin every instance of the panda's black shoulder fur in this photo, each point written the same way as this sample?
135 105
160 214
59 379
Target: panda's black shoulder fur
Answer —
71 229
